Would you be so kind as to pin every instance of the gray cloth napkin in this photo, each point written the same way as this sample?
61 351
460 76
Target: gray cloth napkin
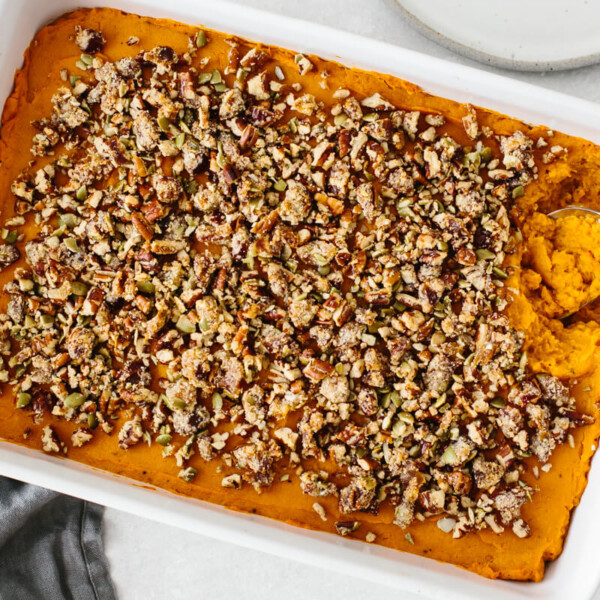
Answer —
50 546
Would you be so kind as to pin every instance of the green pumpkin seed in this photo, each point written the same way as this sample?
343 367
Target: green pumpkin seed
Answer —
340 120
87 59
78 288
179 140
185 325
280 185
71 244
11 237
23 399
163 123
484 254
241 75
92 421
146 287
449 456
47 320
74 400
67 220
81 193
201 40
216 77
164 439
500 273
204 78
486 155
518 192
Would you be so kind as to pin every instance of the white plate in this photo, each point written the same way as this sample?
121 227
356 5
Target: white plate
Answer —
525 35
575 575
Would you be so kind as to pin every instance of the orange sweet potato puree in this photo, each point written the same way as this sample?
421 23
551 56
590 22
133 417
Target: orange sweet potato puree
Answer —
545 261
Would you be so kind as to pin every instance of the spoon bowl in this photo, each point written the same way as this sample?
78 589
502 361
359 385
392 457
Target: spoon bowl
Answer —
578 211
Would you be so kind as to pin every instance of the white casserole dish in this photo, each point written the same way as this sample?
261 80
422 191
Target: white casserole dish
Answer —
575 574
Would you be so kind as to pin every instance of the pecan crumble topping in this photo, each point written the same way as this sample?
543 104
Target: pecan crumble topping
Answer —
226 266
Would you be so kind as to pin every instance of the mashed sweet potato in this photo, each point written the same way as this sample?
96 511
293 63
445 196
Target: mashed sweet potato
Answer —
554 270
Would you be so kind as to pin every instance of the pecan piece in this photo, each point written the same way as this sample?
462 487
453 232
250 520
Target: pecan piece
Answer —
9 254
142 225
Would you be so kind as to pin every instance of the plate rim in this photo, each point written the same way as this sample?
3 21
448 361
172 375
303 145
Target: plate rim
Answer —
526 66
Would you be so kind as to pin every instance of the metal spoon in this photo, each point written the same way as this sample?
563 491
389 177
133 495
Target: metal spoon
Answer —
580 211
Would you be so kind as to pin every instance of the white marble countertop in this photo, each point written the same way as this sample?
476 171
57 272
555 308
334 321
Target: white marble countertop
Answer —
153 561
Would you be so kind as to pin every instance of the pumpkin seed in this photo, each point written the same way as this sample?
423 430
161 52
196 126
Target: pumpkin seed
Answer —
67 220
500 273
71 244
78 288
146 287
486 155
518 192
23 399
216 77
484 254
164 439
81 193
449 456
163 123
47 320
92 421
340 120
11 237
74 400
280 185
201 39
185 325
204 78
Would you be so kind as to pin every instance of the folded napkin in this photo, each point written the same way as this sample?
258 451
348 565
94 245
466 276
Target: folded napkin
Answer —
50 546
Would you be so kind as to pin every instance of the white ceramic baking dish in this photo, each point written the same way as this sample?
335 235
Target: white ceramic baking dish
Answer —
575 574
